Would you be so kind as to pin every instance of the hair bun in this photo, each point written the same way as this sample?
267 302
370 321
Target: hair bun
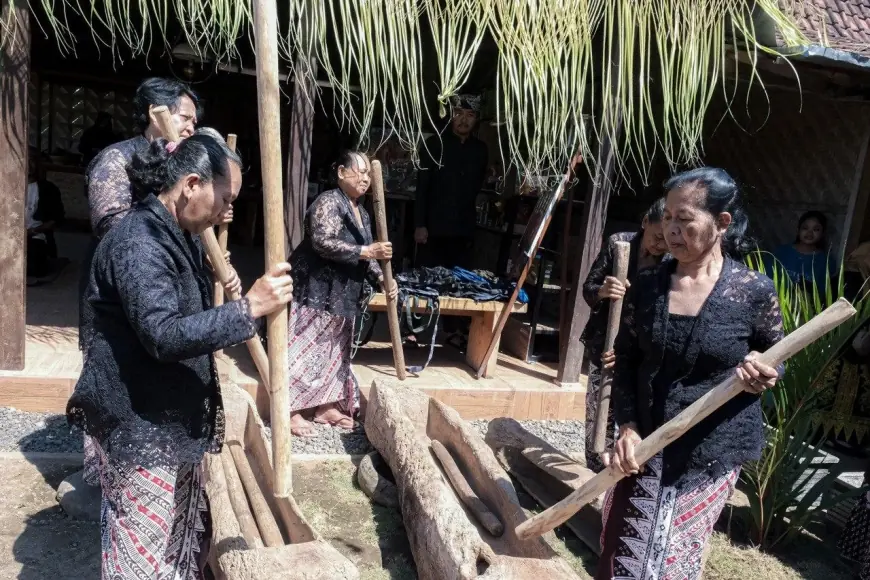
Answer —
147 169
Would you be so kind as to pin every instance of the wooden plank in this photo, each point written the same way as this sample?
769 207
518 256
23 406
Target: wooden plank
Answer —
299 152
483 341
450 306
14 77
858 203
594 218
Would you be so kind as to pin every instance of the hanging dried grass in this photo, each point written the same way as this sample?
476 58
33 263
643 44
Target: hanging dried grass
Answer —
646 70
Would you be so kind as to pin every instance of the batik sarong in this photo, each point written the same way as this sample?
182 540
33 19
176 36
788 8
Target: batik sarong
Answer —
657 532
318 357
154 521
855 542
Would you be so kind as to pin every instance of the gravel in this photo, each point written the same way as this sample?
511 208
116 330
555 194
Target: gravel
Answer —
46 432
36 432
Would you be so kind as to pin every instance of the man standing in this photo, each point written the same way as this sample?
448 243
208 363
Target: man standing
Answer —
450 179
97 137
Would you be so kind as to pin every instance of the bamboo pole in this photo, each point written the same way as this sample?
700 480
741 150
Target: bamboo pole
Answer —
266 522
480 510
163 121
223 234
387 267
620 271
239 500
559 513
269 108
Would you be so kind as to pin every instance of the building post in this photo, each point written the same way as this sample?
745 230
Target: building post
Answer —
14 79
299 152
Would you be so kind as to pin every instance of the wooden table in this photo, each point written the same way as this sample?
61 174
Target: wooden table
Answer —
483 318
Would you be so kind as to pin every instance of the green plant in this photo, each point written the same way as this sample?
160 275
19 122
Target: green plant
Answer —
784 488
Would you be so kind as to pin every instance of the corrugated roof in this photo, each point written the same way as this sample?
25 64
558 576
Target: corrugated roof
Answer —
839 24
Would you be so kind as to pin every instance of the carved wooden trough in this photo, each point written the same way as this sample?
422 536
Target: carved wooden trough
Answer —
256 535
547 474
446 535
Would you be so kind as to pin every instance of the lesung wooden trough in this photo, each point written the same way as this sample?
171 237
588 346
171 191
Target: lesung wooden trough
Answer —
447 534
255 534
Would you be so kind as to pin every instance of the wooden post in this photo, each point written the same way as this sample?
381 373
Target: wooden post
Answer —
299 151
14 77
392 312
594 218
833 316
602 424
269 107
853 224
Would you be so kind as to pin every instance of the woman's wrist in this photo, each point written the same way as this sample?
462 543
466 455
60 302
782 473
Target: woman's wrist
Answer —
365 253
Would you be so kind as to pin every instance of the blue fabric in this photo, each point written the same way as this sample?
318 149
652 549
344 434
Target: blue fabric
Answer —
803 267
482 289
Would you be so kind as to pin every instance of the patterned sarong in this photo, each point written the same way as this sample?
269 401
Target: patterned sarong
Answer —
318 358
154 522
656 532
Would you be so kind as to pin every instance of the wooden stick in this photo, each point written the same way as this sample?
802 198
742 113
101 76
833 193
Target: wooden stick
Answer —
269 108
239 500
620 271
223 234
269 529
164 123
509 306
548 519
465 493
387 267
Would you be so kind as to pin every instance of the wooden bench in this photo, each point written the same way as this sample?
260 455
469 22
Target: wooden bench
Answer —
483 318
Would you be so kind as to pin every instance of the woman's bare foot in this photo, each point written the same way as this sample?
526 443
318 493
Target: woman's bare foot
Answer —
329 414
299 427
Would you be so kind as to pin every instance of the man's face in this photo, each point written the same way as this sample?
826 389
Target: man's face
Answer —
463 121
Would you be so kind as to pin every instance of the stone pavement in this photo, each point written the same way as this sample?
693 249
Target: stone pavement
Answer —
38 541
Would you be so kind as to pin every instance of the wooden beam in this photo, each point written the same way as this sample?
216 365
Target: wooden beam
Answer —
299 153
856 213
14 77
594 218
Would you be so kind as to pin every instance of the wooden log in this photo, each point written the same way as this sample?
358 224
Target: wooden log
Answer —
826 321
268 526
465 493
14 80
387 267
212 247
239 500
620 272
269 108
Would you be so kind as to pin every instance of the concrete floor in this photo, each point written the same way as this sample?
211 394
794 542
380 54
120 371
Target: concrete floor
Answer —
37 540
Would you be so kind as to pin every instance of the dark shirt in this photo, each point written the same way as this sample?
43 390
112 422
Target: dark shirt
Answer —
741 315
108 186
148 391
327 271
446 196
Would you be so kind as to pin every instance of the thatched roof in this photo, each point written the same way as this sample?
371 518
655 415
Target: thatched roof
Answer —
566 70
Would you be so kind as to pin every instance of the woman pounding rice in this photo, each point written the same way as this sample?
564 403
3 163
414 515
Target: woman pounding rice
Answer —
647 249
148 394
688 325
337 255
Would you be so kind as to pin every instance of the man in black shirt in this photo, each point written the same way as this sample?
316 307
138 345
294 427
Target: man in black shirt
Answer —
451 176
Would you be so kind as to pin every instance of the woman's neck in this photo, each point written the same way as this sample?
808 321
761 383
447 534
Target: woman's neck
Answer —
353 200
708 265
805 248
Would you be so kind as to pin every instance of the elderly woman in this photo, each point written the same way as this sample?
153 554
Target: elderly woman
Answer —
148 394
688 325
647 249
329 268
